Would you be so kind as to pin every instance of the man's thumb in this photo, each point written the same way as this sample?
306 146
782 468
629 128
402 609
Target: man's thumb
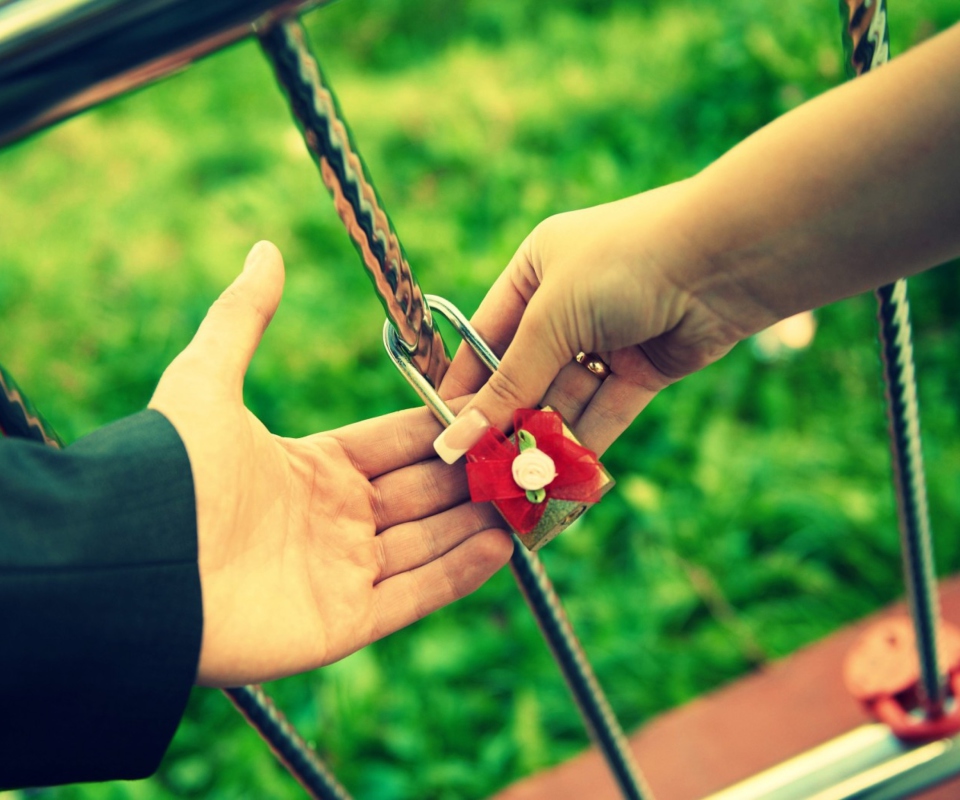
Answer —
231 331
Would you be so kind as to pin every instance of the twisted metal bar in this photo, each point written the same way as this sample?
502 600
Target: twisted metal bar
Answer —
534 583
914 516
867 46
601 723
344 174
328 139
19 418
866 35
287 745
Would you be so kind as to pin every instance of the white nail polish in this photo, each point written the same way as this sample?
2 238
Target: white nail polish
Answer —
462 434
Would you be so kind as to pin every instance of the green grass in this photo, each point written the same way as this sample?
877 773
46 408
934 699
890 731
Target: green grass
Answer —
754 512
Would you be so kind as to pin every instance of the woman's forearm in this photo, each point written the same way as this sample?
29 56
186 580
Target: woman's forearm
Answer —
845 193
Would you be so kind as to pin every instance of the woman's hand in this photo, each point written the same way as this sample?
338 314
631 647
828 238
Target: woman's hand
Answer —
600 280
805 211
311 548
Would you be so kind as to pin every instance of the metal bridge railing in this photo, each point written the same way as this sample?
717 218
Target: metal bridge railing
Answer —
143 41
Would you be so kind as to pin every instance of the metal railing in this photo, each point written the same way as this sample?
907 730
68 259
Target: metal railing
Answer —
46 75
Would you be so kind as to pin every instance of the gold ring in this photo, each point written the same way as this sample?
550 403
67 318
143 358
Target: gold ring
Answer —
594 363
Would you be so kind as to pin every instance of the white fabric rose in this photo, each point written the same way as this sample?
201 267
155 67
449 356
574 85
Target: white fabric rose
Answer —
533 469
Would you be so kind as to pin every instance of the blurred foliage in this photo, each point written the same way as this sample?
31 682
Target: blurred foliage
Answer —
754 512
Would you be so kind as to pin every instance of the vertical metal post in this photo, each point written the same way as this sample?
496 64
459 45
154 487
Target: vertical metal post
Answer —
535 586
344 174
915 537
866 46
300 759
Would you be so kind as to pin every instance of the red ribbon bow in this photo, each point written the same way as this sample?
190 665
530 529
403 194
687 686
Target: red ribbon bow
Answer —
490 469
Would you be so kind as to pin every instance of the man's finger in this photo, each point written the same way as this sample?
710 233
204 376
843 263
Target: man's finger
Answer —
417 491
382 444
413 544
231 331
412 595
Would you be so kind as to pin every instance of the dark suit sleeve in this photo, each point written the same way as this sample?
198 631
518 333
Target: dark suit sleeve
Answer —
100 605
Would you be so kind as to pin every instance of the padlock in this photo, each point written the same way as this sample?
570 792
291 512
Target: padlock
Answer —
535 516
882 671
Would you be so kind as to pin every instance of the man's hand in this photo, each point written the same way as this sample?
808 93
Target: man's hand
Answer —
311 548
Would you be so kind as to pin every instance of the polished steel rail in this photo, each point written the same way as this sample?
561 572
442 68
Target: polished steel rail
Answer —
59 57
868 763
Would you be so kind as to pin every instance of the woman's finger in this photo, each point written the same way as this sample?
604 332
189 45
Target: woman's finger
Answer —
534 358
496 320
571 392
623 394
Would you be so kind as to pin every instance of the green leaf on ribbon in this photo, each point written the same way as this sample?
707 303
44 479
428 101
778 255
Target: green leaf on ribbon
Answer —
525 441
536 495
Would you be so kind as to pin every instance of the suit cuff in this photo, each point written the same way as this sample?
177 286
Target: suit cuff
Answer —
102 608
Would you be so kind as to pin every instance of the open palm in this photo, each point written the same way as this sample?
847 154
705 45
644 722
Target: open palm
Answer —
311 548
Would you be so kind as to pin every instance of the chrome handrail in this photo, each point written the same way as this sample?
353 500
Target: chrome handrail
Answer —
60 57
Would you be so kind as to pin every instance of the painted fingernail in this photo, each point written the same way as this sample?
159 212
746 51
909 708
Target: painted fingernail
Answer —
462 434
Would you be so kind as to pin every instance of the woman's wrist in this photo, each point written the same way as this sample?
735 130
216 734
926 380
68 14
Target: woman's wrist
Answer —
834 198
723 299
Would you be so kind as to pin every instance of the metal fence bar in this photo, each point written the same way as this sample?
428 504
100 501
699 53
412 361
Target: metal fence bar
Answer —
867 46
300 759
598 716
914 516
19 418
361 211
535 585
